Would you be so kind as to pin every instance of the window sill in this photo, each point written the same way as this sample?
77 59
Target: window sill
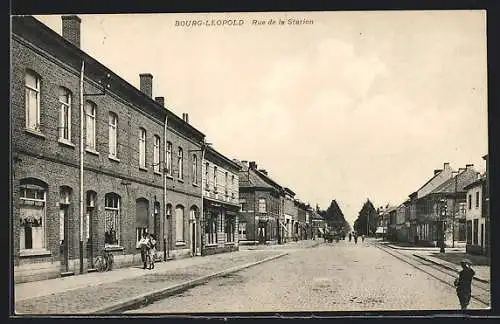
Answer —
195 185
158 173
180 180
229 243
180 243
110 248
211 245
39 252
143 169
35 132
170 177
91 151
113 158
66 142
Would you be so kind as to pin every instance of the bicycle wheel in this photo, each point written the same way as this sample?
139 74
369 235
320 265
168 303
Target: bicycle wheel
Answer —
99 263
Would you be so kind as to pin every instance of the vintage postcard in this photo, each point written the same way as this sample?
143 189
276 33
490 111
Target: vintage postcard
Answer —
249 162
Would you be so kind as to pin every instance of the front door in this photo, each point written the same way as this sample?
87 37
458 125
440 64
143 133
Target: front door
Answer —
88 231
63 236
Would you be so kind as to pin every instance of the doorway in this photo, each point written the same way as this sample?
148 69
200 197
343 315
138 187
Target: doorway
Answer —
193 238
63 237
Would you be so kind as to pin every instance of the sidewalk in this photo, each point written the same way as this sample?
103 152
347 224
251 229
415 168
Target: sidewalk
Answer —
482 271
88 292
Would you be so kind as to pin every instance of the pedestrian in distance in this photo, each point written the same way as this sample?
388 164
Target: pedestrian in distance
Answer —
355 238
363 238
463 283
350 237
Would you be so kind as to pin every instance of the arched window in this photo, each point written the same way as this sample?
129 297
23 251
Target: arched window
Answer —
111 220
32 214
90 123
91 204
141 217
64 114
32 100
180 163
113 134
179 224
195 169
156 154
142 148
169 158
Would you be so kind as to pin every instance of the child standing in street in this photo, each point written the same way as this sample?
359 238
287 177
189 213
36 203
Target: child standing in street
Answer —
463 283
152 251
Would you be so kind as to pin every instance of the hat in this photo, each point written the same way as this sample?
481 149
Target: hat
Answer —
466 261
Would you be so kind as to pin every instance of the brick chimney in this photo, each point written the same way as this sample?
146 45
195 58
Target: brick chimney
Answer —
446 165
160 100
253 165
185 117
146 84
469 166
71 29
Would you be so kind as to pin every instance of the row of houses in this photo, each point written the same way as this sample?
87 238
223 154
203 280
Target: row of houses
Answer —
97 162
450 209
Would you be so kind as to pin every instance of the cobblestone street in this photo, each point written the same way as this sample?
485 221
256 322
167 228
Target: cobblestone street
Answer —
332 277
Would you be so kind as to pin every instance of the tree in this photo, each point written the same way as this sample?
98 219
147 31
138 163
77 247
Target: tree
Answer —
366 223
335 218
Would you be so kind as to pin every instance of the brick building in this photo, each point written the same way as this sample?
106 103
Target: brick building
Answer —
132 181
290 216
220 203
261 205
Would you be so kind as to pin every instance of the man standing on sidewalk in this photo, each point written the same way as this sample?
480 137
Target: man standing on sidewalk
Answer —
464 282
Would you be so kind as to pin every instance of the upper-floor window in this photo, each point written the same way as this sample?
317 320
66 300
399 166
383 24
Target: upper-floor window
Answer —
477 199
262 205
32 97
215 178
90 122
195 168
180 162
207 165
113 134
232 180
64 114
470 201
156 154
169 158
142 147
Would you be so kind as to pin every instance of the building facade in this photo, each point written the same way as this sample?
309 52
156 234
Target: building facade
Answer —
132 181
290 216
220 203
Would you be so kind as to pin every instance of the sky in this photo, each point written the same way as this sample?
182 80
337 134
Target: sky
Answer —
353 106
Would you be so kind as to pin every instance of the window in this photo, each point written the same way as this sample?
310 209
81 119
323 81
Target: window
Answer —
91 203
230 228
470 201
90 110
65 114
226 184
141 217
111 220
169 158
242 232
243 205
477 199
215 179
142 148
179 224
156 154
113 134
262 205
32 212
469 232
180 163
32 98
474 231
206 176
195 169
211 229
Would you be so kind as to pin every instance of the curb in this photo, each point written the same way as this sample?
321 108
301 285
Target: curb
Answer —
448 267
168 291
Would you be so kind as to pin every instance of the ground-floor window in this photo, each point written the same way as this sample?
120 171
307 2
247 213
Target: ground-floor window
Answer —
230 228
112 220
242 231
475 231
179 224
32 211
469 232
211 228
139 232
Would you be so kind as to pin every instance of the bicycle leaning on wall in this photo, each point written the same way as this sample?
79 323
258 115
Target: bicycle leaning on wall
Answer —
104 262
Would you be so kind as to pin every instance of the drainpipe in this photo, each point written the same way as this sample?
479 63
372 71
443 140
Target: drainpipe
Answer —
202 215
81 165
166 246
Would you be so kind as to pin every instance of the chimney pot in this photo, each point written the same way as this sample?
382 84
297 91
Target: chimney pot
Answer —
446 165
253 165
146 84
185 117
71 29
160 100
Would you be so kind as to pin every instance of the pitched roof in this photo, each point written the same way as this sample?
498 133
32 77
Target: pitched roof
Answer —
460 180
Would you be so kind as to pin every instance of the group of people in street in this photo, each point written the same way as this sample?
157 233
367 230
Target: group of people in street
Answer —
354 235
147 244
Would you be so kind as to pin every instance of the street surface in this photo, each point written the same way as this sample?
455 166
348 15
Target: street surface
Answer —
339 276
